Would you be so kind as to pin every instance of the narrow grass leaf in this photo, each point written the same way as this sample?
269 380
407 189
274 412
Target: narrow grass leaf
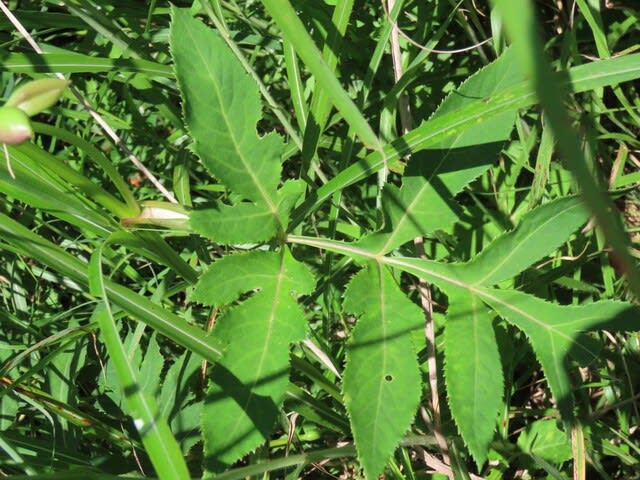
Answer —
78 63
292 28
249 385
382 375
520 22
15 237
161 446
295 84
473 371
321 101
37 185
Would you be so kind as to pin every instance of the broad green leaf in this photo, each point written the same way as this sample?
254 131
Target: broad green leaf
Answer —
544 439
221 108
321 101
221 223
557 333
249 384
382 375
425 202
473 372
539 233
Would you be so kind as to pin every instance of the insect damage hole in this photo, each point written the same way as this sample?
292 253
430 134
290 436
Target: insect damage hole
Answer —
388 377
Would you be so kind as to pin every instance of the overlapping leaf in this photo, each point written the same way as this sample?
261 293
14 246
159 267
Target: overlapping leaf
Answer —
249 384
382 376
221 109
228 224
472 371
433 177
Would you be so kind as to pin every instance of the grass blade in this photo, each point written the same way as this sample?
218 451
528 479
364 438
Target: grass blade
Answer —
159 442
519 19
291 26
582 78
21 240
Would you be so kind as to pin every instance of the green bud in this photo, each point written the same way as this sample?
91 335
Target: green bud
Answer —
15 127
38 95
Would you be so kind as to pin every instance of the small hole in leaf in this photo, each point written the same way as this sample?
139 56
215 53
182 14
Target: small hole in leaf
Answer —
388 378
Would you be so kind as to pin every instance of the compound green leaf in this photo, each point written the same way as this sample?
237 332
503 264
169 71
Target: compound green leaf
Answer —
425 202
473 372
556 332
249 384
382 376
539 233
221 108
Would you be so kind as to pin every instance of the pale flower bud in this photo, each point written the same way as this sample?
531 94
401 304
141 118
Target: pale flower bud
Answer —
15 127
38 95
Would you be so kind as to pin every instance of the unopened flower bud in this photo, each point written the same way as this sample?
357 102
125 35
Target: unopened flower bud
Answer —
15 127
38 95
162 214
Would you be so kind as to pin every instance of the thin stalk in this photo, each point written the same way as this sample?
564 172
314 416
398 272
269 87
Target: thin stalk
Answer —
423 286
159 443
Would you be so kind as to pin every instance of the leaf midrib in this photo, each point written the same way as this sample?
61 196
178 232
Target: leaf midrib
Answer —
420 271
514 251
279 281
